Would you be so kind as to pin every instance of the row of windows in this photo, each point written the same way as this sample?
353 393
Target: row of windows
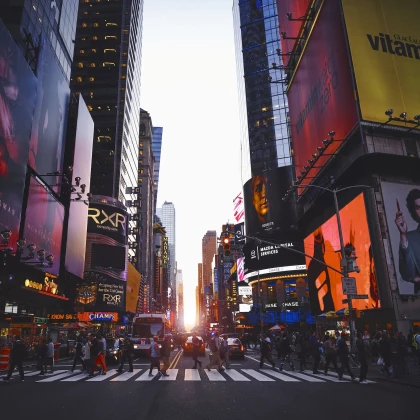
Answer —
81 65
96 24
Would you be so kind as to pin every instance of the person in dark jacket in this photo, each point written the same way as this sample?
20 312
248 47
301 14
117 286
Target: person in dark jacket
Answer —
196 344
314 346
165 352
361 351
266 348
343 356
125 345
17 356
78 355
42 356
385 350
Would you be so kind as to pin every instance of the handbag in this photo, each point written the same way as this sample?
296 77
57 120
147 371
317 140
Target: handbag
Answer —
380 361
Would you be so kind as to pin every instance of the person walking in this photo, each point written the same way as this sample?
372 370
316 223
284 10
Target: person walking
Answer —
215 356
97 354
224 352
166 354
314 346
266 349
330 352
88 356
362 354
286 352
155 356
78 355
49 359
125 346
385 350
17 356
196 344
42 355
343 355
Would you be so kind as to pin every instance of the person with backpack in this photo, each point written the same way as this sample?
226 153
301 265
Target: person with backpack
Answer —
125 346
214 345
266 349
78 355
224 352
314 346
286 352
330 352
196 344
17 356
155 356
42 355
343 355
165 352
362 354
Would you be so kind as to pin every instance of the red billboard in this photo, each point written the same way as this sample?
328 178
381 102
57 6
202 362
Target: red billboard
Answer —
43 228
325 285
321 97
290 27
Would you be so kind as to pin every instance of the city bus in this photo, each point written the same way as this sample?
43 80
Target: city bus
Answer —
145 327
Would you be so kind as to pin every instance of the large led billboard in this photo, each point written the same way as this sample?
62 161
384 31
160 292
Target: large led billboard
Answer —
385 49
43 228
265 211
297 9
321 96
17 99
325 285
50 116
402 208
79 149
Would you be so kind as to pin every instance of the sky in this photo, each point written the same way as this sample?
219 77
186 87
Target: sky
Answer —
189 89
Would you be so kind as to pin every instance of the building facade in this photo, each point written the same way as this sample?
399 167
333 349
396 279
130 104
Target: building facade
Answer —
208 249
157 148
180 300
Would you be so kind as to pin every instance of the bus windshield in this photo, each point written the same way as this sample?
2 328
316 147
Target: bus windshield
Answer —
148 330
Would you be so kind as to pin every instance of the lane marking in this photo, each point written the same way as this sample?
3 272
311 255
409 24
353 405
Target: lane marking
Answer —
125 376
192 375
326 377
236 376
58 377
37 373
77 377
281 376
214 375
173 373
305 377
257 375
100 378
145 376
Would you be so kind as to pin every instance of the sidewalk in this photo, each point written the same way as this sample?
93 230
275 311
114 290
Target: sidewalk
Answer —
27 364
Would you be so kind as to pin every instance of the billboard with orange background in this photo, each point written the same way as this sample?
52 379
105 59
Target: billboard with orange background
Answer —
325 285
384 39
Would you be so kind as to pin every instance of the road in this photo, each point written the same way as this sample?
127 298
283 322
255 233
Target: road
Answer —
242 392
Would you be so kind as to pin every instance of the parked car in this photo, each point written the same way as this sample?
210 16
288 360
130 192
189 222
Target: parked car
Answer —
112 350
188 346
236 348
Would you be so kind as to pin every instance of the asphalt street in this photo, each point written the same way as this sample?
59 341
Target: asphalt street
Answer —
242 392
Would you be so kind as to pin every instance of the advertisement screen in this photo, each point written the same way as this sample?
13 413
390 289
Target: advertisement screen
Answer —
238 208
265 211
402 208
43 228
290 27
321 97
17 99
386 55
82 141
240 266
325 285
133 286
46 150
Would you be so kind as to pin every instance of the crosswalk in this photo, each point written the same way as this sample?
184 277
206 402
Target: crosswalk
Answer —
229 375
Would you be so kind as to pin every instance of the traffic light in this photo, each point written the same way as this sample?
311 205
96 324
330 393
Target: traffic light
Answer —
226 245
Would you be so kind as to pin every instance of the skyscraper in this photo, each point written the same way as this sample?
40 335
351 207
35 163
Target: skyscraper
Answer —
157 147
180 300
209 247
257 44
106 70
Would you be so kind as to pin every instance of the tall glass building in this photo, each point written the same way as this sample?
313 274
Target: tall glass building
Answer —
157 148
262 96
106 70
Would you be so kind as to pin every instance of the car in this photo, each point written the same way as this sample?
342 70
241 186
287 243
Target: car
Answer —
112 350
188 347
236 348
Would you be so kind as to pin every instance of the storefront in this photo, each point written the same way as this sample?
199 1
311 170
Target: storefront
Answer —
105 323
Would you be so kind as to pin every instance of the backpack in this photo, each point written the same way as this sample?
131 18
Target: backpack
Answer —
328 347
212 345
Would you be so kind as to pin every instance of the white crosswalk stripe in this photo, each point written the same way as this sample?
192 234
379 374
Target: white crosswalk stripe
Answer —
176 375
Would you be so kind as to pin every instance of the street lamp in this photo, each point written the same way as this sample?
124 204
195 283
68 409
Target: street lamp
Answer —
347 263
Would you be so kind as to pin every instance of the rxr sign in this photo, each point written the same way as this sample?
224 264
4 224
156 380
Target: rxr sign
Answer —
100 217
112 299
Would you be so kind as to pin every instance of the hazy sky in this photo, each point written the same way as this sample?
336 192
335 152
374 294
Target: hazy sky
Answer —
189 88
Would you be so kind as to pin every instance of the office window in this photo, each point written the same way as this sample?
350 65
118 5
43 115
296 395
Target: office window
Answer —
111 24
94 50
80 65
91 79
90 107
82 51
96 25
84 25
79 79
92 64
110 37
108 64
140 152
106 50
95 38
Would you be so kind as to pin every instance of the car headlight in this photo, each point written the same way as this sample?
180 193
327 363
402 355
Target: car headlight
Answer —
160 346
115 352
136 346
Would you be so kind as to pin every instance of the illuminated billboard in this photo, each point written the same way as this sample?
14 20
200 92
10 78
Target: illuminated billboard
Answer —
78 155
133 286
265 211
238 208
321 97
385 49
43 228
17 99
402 208
325 285
290 27
46 150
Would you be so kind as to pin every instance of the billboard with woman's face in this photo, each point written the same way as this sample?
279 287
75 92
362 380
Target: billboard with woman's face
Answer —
325 285
265 211
17 98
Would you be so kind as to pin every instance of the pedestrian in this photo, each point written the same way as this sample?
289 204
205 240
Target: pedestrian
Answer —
361 351
314 347
155 356
42 355
266 349
375 348
196 344
286 352
78 355
17 356
224 351
343 355
330 352
125 347
416 343
49 359
214 345
88 356
98 354
165 352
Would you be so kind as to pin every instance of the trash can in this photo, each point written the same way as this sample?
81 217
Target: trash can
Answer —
56 351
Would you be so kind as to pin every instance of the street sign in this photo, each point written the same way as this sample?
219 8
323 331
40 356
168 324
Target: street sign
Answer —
349 286
355 297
